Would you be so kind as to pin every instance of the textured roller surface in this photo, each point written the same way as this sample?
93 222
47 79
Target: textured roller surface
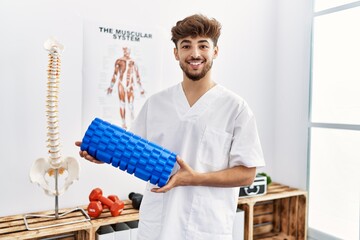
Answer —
129 152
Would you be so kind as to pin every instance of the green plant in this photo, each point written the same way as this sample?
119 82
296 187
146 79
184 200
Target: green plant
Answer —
268 178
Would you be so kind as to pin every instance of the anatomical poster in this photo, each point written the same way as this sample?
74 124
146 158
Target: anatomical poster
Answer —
121 68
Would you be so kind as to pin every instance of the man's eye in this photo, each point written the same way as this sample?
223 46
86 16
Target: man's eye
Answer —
204 47
185 46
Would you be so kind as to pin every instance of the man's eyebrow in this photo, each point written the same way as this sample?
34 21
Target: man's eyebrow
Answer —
185 41
200 41
203 41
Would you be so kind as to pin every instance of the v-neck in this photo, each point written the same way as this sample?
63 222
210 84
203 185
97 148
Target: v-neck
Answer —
183 107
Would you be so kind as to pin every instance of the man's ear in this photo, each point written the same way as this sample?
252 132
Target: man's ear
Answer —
176 54
216 51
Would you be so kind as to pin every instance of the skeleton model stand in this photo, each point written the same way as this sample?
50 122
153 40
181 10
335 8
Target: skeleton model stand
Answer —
46 169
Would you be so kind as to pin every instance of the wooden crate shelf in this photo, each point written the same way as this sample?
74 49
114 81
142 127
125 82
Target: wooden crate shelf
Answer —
13 227
279 214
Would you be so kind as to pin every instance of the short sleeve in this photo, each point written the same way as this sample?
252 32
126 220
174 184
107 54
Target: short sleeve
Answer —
246 147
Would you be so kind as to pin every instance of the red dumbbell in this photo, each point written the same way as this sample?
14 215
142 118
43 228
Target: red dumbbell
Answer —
116 199
115 207
94 209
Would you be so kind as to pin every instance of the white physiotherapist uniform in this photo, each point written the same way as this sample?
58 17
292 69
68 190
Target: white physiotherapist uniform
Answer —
217 132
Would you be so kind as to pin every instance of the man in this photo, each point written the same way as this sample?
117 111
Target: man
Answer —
214 133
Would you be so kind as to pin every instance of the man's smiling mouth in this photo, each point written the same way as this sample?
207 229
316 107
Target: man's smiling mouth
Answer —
195 63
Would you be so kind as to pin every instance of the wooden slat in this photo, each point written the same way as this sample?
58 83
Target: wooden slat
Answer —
34 234
275 187
262 228
63 236
274 236
248 228
82 235
302 216
293 216
263 208
275 191
264 218
96 223
267 236
277 218
284 216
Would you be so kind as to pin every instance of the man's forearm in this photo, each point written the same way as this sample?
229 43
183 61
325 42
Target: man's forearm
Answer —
231 177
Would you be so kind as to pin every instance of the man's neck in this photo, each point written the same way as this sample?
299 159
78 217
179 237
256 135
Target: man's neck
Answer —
195 89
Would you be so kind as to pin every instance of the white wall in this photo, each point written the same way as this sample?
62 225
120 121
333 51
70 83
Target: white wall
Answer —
292 92
25 27
257 45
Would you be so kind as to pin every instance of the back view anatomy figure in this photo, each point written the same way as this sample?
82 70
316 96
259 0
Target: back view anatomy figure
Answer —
126 66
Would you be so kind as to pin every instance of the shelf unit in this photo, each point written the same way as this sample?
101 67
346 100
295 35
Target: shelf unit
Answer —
13 227
279 214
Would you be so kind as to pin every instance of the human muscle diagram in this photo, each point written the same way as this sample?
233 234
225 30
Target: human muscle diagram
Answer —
122 67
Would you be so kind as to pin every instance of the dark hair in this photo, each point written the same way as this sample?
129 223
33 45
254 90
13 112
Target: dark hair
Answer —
196 25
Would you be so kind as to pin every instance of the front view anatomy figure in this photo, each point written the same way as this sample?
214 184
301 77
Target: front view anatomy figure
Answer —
214 133
125 66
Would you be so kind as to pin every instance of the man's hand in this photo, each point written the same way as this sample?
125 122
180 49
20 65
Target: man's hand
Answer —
185 176
85 155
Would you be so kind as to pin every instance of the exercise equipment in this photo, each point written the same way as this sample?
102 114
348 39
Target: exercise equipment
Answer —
95 208
116 207
129 152
136 199
117 200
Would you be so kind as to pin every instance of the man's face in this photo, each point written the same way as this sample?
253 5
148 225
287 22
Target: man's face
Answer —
195 56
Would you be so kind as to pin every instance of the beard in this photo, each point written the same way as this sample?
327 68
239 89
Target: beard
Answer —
196 76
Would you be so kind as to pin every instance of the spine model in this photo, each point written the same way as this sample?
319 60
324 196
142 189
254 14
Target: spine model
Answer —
52 107
54 165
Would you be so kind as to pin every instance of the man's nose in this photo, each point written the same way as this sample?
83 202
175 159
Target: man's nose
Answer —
195 53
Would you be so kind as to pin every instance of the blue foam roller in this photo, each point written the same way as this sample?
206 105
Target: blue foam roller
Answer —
84 145
91 150
131 169
154 179
162 181
123 165
129 152
106 157
115 162
142 174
